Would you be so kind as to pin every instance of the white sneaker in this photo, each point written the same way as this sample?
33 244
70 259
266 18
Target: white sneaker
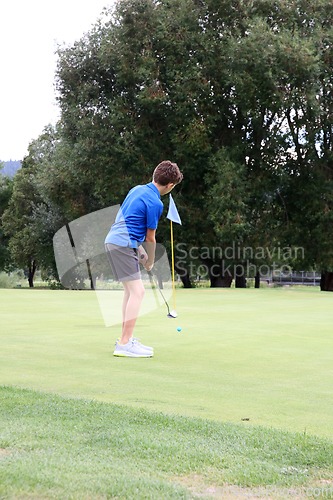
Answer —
132 349
136 341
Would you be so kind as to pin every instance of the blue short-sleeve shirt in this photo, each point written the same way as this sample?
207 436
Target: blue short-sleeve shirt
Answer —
141 210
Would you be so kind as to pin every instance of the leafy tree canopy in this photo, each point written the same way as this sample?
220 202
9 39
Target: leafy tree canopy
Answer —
238 94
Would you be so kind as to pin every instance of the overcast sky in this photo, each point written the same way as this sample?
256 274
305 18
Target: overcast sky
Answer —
29 34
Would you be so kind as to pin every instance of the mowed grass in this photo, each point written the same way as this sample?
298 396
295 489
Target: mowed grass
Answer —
263 355
59 448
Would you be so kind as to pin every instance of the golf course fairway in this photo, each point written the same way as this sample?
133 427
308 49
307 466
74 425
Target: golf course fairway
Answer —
247 356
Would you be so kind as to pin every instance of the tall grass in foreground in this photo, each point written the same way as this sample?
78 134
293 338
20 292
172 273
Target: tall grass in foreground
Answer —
53 447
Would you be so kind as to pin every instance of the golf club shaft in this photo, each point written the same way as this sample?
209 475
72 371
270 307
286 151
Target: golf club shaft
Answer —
150 273
156 284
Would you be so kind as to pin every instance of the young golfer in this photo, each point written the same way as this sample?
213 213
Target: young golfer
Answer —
136 222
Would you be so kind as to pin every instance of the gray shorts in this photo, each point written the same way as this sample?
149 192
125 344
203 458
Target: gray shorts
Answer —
124 262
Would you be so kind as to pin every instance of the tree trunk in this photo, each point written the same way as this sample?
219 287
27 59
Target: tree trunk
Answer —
218 278
92 284
326 281
160 281
32 270
257 280
240 281
185 277
220 281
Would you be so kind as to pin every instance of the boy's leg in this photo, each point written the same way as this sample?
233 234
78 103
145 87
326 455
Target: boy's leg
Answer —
125 300
133 294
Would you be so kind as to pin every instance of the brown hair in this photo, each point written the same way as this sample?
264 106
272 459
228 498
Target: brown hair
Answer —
167 172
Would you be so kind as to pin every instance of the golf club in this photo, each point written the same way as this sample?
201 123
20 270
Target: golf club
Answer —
171 314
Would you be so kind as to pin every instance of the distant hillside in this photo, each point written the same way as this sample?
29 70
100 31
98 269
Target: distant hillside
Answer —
10 167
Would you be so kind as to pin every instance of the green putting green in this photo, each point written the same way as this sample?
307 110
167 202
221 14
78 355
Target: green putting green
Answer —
260 357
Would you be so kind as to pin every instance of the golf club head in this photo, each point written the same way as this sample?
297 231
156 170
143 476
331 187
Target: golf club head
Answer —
172 314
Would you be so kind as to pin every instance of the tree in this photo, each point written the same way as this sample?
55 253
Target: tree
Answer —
16 220
6 190
307 196
237 94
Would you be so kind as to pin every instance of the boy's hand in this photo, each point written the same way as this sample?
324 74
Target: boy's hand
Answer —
150 245
144 259
148 266
142 253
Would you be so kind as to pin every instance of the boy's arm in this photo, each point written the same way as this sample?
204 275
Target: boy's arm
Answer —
150 247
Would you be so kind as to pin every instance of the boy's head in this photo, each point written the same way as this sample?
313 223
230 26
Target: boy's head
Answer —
167 173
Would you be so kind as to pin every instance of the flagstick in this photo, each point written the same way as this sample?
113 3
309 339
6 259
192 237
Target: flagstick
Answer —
173 270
